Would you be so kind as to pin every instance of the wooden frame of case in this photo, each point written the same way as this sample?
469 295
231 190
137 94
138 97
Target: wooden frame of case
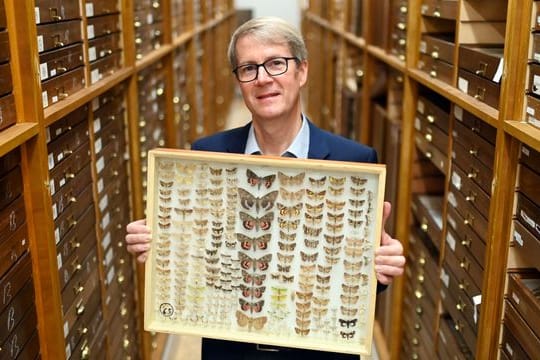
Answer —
261 249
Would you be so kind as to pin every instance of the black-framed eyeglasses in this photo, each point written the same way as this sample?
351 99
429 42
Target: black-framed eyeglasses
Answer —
274 67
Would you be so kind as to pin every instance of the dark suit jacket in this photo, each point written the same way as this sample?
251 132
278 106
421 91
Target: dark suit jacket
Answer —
322 145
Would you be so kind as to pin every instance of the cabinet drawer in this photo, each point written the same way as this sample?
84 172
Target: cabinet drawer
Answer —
444 9
510 346
68 268
103 46
66 123
60 87
62 148
10 186
435 112
428 211
452 341
67 170
528 214
108 113
80 273
7 111
14 280
86 325
472 166
467 237
69 194
55 35
534 79
472 193
101 7
106 66
464 280
14 313
70 217
78 238
9 161
5 79
437 69
526 245
528 184
469 215
517 326
4 46
481 89
23 332
524 294
3 22
476 125
434 135
77 309
532 111
438 46
103 25
486 62
56 10
535 52
11 218
439 159
460 324
13 248
146 16
56 62
474 144
530 157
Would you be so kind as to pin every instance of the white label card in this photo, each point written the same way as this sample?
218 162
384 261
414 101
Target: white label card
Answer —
89 9
536 84
498 74
43 71
45 99
40 45
451 241
517 238
94 76
38 17
90 31
458 113
463 85
92 53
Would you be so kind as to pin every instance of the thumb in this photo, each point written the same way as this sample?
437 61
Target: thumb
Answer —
387 209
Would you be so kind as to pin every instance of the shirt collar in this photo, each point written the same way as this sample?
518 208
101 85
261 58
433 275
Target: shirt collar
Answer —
299 147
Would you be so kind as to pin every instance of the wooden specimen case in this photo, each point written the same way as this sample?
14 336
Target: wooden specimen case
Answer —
263 249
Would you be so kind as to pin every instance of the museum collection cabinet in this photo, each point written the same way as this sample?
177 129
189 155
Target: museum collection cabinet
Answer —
448 93
86 88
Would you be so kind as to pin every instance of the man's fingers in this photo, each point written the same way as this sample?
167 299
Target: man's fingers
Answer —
387 209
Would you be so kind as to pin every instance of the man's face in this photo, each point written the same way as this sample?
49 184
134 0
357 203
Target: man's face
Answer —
269 97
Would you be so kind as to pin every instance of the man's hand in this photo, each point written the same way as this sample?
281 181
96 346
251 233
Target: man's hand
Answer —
138 239
389 259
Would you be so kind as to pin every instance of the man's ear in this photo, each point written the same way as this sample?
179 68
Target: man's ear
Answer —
303 72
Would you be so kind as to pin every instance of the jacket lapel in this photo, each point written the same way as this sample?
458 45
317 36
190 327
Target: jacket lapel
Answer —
318 148
237 142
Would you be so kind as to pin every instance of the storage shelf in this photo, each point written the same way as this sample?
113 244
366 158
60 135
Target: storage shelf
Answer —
524 132
16 135
81 97
387 58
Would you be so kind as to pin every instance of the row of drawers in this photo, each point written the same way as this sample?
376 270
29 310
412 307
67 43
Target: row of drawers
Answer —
7 102
532 109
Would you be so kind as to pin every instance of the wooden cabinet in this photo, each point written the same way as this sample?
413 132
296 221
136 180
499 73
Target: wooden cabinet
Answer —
86 89
466 201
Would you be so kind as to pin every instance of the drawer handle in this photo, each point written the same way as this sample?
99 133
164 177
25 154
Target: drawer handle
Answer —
142 123
458 326
80 310
121 279
402 42
429 137
137 24
415 341
429 155
58 43
473 152
464 264
460 306
469 220
466 242
463 285
472 174
418 310
77 267
422 261
155 4
433 73
108 31
69 175
53 12
126 344
401 26
435 54
403 9
482 67
471 197
62 95
67 152
75 244
431 119
61 69
84 331
480 93
78 289
138 41
424 226
186 107
420 278
85 354
123 311
72 199
417 326
437 13
418 294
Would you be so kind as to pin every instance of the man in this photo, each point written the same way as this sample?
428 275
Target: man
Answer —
269 59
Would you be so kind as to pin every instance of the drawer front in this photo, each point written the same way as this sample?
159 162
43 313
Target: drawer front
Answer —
510 347
486 62
67 123
9 161
31 348
62 174
59 61
481 89
528 184
443 9
435 115
103 46
437 69
438 46
68 219
5 79
462 301
428 210
472 193
529 342
535 52
60 87
398 43
70 266
11 218
16 310
79 306
15 279
56 35
104 67
83 271
85 325
75 241
472 167
13 248
476 125
469 215
431 152
22 333
532 111
436 136
526 245
524 294
4 46
7 111
534 79
101 7
461 325
465 282
3 22
69 194
474 144
451 341
108 113
56 10
62 149
530 157
103 25
467 237
528 214
10 187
